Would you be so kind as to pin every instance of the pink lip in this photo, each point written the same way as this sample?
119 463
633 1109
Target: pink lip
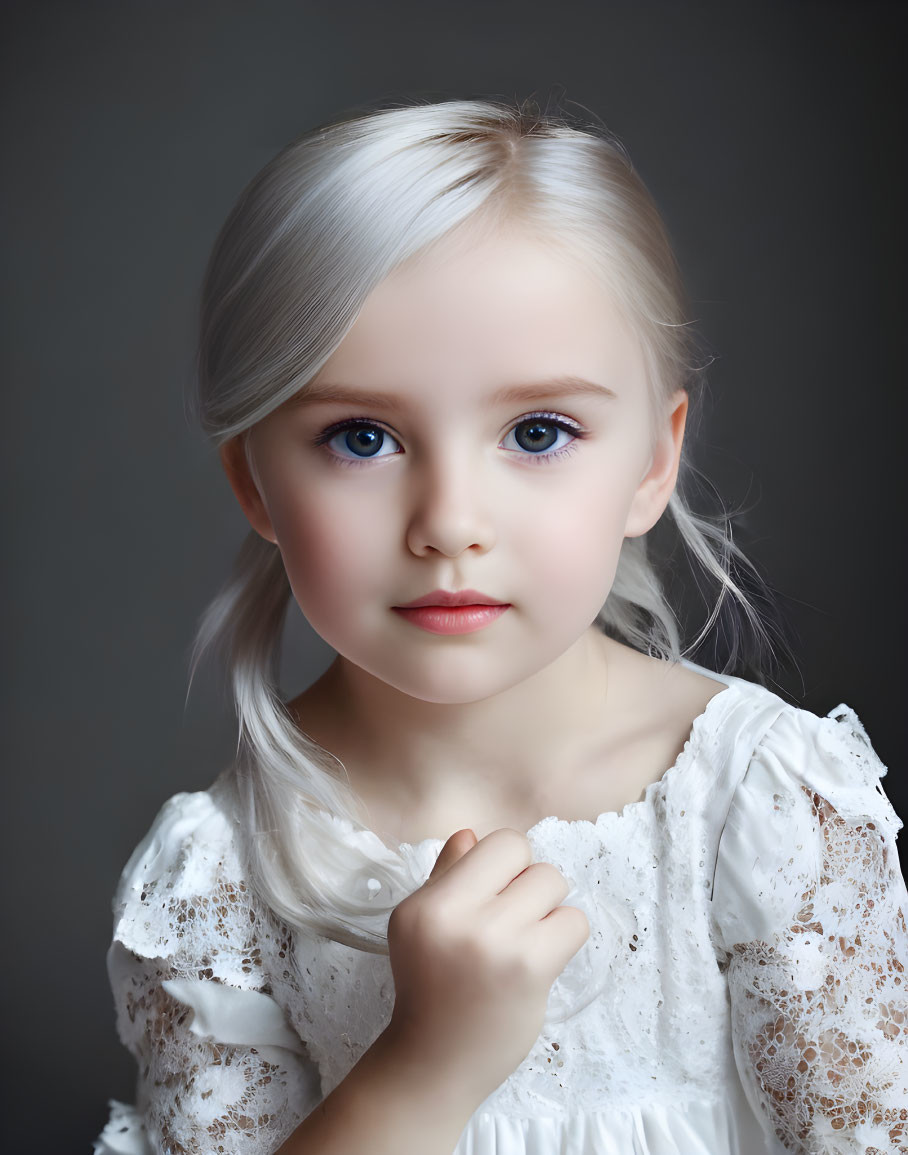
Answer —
455 619
443 612
444 598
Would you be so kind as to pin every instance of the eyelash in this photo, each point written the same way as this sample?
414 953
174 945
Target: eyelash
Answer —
556 419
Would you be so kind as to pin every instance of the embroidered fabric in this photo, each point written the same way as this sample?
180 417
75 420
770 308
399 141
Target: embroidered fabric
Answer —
184 919
711 1030
816 965
203 1096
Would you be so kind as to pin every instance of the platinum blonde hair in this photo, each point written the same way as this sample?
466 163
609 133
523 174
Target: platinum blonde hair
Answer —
308 240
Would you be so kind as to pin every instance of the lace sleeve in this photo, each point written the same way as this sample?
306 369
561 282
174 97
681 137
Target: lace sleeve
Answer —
195 1093
811 907
204 981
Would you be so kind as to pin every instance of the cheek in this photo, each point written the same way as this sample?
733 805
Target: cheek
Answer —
575 537
332 555
579 571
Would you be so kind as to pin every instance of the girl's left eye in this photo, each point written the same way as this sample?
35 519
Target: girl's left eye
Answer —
542 435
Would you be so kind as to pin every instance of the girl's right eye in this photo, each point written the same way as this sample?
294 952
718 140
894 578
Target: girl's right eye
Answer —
358 441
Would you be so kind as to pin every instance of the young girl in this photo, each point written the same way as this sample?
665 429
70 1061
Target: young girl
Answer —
513 876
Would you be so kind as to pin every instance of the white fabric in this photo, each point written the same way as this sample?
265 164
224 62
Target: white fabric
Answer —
124 1133
817 956
740 993
246 1018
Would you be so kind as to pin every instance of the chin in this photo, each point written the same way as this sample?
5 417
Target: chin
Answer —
454 687
446 691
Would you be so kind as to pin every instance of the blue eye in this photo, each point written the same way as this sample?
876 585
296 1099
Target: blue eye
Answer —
359 440
541 436
538 436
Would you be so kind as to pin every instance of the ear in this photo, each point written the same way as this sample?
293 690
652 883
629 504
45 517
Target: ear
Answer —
658 484
239 474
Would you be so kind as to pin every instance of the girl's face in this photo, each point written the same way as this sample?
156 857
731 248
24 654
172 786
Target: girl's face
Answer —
485 425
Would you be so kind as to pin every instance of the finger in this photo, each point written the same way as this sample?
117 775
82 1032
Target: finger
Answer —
453 850
533 894
556 938
488 867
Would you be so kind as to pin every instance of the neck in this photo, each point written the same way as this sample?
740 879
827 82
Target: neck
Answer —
412 752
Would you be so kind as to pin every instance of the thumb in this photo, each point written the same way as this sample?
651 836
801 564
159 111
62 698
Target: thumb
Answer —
454 849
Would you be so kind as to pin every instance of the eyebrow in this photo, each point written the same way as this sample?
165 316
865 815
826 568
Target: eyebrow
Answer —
563 386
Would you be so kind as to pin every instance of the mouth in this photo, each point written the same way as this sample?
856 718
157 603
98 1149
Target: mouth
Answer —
446 599
443 612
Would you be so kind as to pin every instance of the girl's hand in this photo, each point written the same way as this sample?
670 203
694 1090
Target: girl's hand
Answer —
474 953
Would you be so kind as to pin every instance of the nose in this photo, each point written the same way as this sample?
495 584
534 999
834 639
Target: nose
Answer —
451 510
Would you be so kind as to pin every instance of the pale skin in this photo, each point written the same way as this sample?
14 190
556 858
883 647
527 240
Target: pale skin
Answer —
461 373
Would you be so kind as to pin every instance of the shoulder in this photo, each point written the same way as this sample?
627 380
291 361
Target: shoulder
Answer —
790 751
190 842
187 830
806 802
763 743
183 896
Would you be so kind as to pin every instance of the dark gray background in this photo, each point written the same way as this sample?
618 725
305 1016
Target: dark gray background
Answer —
770 133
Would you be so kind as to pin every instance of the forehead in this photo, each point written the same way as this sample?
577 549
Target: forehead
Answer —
491 311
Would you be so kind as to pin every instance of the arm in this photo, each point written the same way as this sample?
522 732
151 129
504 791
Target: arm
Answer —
389 1103
199 984
196 1091
820 1010
812 906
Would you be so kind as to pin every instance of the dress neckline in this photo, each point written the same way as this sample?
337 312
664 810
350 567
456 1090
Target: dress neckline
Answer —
732 684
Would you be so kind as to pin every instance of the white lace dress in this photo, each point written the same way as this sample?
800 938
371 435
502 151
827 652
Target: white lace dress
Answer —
742 991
